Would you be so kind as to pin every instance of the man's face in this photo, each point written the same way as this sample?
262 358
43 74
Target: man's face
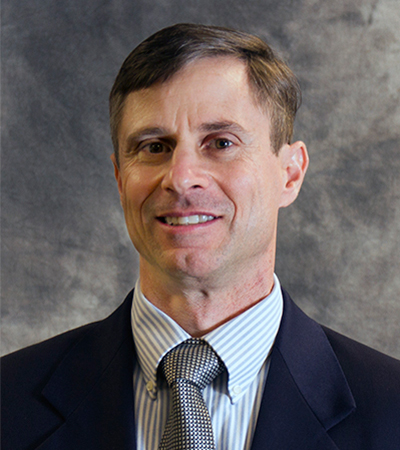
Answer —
198 180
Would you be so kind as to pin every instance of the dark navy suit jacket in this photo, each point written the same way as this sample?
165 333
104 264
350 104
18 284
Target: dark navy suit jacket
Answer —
323 391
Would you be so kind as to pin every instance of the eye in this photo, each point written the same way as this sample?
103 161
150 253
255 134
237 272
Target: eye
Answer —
153 151
156 147
222 143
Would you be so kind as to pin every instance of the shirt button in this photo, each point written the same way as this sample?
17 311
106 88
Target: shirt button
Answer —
237 390
150 386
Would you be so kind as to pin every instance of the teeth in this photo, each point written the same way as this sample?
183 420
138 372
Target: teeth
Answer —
188 220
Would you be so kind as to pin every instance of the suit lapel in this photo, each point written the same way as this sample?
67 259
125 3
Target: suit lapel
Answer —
306 392
92 388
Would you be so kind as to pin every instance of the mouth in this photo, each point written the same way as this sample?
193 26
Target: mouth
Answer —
187 220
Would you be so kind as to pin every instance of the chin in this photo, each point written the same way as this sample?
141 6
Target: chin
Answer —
191 264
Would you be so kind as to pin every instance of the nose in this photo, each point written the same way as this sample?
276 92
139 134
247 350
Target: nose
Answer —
185 172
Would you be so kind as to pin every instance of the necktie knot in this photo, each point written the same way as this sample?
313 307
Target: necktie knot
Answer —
194 361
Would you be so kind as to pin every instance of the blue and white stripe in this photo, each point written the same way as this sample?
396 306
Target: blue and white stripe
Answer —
233 399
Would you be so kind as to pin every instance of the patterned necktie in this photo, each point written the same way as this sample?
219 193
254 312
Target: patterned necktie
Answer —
188 369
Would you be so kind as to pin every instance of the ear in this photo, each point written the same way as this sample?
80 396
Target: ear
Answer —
117 174
294 164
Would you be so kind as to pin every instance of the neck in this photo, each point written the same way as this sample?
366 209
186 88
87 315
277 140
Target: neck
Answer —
200 306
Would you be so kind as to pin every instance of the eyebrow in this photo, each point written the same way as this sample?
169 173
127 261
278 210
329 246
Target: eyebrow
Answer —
223 125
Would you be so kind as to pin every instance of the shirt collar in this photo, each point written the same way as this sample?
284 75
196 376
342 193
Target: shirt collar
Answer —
243 343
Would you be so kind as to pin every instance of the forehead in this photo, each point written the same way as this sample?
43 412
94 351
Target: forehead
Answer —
213 88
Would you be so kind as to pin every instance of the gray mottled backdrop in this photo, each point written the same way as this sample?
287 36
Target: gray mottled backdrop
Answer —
66 256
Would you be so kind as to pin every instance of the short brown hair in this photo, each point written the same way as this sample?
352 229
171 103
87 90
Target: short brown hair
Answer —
162 55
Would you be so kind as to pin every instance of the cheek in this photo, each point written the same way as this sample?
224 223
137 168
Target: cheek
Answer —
256 194
141 190
134 193
243 191
248 186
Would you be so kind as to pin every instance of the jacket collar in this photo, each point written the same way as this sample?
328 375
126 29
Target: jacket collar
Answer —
306 392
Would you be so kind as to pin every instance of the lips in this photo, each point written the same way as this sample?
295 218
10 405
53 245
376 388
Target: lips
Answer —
187 220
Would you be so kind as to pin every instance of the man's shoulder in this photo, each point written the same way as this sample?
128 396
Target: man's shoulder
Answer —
35 361
351 354
59 342
347 346
365 368
41 356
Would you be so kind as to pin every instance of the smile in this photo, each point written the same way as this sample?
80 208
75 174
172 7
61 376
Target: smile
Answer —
188 220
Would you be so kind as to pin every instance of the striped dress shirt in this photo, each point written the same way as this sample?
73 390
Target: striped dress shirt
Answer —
234 397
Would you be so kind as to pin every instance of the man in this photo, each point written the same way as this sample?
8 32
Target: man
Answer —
201 121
